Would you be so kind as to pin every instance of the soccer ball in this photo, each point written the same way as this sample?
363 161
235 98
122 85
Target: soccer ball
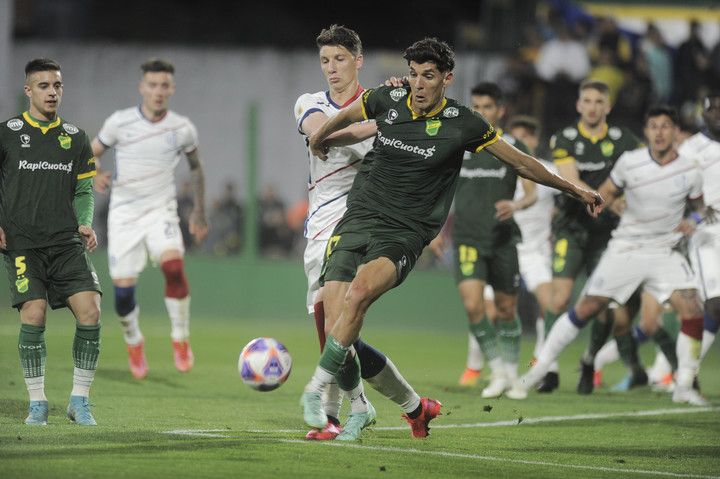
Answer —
264 364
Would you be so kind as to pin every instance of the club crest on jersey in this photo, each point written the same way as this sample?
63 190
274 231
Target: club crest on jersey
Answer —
70 128
432 126
22 285
65 142
607 148
15 124
25 141
398 93
451 112
391 116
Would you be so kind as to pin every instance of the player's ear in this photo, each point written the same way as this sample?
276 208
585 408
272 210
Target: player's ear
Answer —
27 90
359 61
447 81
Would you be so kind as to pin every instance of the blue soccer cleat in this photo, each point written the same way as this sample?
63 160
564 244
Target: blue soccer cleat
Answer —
313 413
78 411
356 423
37 413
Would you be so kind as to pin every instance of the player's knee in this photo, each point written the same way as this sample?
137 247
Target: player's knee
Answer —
559 304
32 314
124 300
359 296
475 306
176 285
505 308
89 314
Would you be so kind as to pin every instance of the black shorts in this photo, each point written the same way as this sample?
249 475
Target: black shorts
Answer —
53 273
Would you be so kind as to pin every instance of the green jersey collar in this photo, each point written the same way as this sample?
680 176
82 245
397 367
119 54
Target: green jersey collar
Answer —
434 112
44 126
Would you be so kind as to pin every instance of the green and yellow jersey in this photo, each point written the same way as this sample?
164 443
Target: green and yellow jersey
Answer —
40 166
484 180
594 157
415 160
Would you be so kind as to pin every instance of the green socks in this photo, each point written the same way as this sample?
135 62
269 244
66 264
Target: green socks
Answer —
86 346
509 339
31 346
486 336
341 363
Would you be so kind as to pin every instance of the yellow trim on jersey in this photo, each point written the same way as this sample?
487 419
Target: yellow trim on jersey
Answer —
593 139
89 174
364 113
437 110
33 122
479 148
563 161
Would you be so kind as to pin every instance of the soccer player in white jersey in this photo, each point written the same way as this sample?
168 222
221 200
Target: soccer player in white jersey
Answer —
658 184
534 252
705 243
340 52
149 141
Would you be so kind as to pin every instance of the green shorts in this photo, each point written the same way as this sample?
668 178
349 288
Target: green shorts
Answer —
356 242
576 248
497 266
53 273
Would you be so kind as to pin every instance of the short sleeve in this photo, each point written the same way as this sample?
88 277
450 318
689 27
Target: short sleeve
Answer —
371 104
190 140
86 166
480 133
108 134
560 149
304 107
617 175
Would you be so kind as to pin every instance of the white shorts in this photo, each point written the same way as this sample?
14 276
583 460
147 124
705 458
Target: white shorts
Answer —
705 257
130 243
625 266
535 265
313 259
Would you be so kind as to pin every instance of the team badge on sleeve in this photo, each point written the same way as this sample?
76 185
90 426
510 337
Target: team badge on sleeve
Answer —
15 124
451 112
70 128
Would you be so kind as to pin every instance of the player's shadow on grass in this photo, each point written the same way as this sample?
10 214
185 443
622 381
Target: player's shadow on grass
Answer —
124 376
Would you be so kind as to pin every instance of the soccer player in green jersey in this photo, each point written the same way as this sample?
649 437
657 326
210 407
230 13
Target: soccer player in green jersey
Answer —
485 238
584 153
46 212
400 206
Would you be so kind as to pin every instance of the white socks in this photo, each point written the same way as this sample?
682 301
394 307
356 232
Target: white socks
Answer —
475 358
707 340
131 327
391 384
688 354
36 388
82 379
609 353
332 399
562 333
179 312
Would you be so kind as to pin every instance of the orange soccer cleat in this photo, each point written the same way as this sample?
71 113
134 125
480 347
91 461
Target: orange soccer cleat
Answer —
136 358
183 355
328 433
470 377
597 378
419 425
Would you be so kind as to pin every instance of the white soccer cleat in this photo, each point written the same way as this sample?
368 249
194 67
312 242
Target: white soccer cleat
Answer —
517 391
689 396
497 386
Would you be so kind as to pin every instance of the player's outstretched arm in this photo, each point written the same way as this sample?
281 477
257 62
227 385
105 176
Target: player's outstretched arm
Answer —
346 117
197 223
530 168
354 133
102 179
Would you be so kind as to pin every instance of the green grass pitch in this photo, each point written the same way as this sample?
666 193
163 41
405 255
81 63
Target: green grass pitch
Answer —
207 423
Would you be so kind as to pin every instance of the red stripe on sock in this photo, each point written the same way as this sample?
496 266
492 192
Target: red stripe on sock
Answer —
319 314
693 327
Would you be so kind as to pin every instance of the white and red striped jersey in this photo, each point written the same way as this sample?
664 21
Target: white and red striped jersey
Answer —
329 181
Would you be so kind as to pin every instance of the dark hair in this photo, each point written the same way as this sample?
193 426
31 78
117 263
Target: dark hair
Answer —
525 121
339 35
41 65
659 110
595 85
488 89
431 50
157 65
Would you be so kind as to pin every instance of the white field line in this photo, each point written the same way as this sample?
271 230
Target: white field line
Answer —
513 422
495 459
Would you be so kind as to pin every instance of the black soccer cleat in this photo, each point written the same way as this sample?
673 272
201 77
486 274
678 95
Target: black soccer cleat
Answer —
549 383
639 378
587 373
696 384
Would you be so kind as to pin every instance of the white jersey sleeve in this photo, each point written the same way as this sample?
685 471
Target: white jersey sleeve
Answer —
108 134
617 175
190 140
304 106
